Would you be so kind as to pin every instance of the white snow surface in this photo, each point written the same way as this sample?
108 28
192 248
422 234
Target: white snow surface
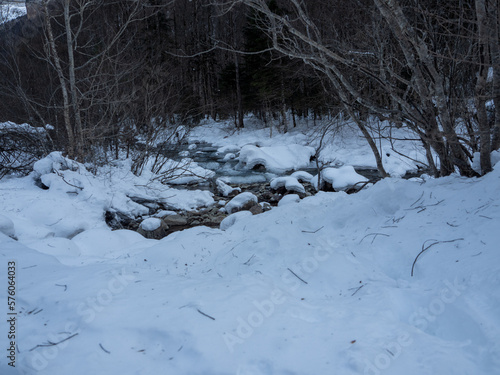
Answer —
239 201
341 177
150 224
11 10
289 182
232 219
276 158
320 286
7 226
347 146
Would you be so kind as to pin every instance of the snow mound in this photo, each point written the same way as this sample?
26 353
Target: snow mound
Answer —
7 226
225 189
277 158
233 219
240 201
341 178
151 224
302 176
289 198
289 183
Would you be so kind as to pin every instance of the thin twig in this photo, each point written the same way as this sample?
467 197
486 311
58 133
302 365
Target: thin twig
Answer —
248 261
53 343
428 247
202 313
317 230
65 286
357 290
375 236
305 282
414 203
106 351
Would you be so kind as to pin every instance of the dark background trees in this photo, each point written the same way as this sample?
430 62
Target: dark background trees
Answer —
117 69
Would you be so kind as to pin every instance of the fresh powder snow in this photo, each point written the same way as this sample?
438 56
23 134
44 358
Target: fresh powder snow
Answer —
400 278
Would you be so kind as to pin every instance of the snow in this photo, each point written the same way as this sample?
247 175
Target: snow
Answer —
302 176
277 158
342 177
185 171
10 11
289 182
151 224
239 201
345 147
232 219
317 286
7 226
289 198
225 189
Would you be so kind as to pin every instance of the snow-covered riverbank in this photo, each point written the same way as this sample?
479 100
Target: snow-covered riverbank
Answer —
322 286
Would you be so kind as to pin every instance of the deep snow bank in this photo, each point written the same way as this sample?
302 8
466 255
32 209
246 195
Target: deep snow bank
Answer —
317 287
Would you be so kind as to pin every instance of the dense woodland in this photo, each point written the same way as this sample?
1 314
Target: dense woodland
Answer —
103 73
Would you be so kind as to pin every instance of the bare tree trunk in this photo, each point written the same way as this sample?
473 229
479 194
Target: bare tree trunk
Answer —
72 81
239 98
62 81
482 75
494 19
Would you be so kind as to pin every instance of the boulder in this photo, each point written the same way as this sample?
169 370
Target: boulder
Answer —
175 220
242 202
153 228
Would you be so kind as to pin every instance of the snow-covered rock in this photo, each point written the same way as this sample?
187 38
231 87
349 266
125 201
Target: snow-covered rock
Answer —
340 178
229 156
150 224
241 202
276 158
302 176
225 189
290 183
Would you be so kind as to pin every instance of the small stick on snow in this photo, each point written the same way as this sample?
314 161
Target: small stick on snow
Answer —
414 203
106 351
375 236
53 343
428 247
65 286
294 274
202 313
317 230
248 261
357 290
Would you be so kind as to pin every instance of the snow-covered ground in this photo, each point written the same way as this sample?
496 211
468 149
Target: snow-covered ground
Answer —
11 10
343 144
319 286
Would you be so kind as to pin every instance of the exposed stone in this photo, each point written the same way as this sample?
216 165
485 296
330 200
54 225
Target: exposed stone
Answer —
156 234
175 220
256 209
